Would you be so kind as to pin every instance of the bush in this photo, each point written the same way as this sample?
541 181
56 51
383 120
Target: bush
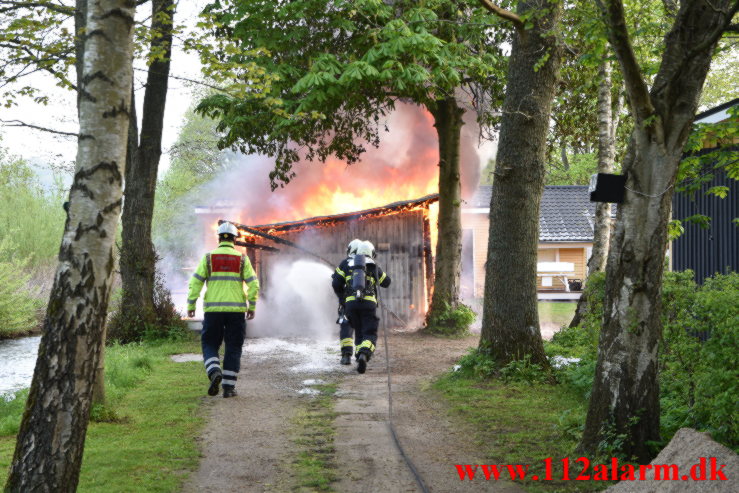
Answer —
523 371
451 321
699 381
477 364
11 411
164 323
18 309
717 378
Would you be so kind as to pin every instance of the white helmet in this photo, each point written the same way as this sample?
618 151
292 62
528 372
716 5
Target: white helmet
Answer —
352 248
227 228
367 249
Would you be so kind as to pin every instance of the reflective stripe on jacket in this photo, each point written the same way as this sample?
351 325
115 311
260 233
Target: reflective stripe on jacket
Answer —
224 269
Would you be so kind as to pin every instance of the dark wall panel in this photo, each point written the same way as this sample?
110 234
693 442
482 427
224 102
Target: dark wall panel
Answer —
712 250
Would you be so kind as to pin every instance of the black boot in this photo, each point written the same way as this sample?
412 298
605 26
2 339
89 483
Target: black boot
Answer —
362 362
215 381
346 359
229 391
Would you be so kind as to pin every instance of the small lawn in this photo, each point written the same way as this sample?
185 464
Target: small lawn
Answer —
155 404
556 312
521 423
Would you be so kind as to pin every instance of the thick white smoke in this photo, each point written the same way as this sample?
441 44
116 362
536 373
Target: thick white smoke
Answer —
299 303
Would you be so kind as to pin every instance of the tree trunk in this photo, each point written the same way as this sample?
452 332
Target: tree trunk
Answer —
80 23
607 123
510 323
138 259
448 123
563 154
50 442
624 400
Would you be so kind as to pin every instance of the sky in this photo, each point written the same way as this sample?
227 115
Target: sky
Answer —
43 148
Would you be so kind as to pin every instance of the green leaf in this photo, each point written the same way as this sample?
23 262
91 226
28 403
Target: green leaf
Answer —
718 191
702 221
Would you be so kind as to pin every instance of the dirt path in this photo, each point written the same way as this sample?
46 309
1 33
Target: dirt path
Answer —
248 444
247 439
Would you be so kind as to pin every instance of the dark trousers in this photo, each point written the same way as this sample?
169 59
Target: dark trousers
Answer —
363 317
345 335
217 328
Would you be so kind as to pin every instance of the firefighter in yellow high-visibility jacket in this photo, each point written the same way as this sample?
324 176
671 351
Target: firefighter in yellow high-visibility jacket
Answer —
225 304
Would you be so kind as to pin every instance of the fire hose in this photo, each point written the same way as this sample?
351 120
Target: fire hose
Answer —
391 424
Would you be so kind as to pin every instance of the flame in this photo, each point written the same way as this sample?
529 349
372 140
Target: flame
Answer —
404 167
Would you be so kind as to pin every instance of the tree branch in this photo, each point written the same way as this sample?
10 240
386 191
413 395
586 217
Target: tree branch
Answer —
503 13
17 5
613 16
18 123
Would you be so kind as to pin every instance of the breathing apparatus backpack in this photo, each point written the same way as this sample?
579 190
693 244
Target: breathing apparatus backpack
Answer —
361 286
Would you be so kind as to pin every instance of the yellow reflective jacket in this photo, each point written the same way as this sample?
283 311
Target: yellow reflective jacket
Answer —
224 269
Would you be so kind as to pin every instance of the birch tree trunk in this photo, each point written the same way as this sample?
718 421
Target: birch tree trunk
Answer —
624 400
448 123
50 442
608 119
510 323
138 259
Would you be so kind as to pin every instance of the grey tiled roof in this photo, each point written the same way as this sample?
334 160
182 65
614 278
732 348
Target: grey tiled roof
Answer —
566 212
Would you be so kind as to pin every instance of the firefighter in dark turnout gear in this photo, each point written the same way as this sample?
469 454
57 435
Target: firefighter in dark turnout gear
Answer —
345 328
226 306
356 280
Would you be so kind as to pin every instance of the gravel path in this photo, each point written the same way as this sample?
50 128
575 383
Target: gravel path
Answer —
247 442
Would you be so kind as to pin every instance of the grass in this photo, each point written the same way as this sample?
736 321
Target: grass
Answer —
151 445
521 423
559 313
314 466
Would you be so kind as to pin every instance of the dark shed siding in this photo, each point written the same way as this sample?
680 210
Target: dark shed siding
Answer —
712 250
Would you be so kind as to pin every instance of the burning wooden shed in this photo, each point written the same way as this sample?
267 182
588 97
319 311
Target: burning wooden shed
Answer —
401 233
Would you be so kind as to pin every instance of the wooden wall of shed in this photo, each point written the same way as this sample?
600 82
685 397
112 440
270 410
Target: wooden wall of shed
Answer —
403 260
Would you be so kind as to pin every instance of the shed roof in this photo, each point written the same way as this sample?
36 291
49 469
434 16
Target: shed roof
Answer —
717 113
321 221
566 212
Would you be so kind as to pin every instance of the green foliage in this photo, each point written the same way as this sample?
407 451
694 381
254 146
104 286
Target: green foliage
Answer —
11 410
31 218
196 159
723 78
715 375
709 149
523 371
34 37
452 320
125 327
476 364
18 309
581 166
699 381
335 78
